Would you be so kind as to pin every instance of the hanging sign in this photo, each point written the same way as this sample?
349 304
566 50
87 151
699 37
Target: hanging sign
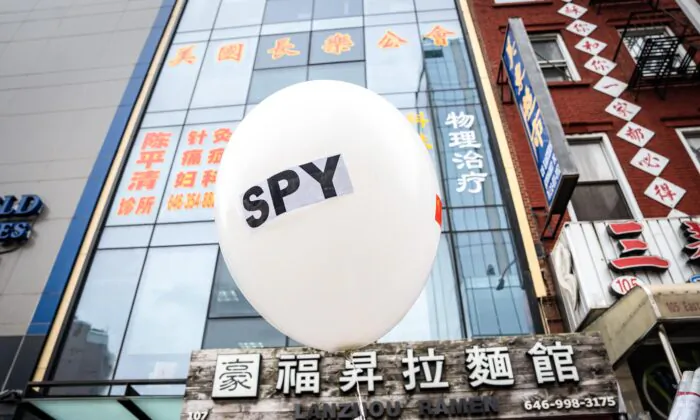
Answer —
507 377
557 171
16 217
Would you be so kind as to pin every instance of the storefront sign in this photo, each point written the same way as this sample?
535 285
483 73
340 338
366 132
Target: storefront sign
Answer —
595 262
558 173
16 216
504 377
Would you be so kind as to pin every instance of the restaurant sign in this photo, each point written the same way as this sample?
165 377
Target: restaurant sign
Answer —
506 377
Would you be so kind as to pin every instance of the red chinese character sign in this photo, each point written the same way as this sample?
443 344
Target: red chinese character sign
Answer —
313 203
691 231
189 195
141 188
632 250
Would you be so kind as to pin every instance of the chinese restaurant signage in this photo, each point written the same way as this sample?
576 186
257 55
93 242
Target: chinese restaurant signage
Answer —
557 172
507 377
614 257
16 216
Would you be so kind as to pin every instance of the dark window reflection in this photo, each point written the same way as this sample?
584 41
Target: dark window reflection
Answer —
600 201
278 11
241 333
267 82
328 9
96 333
227 299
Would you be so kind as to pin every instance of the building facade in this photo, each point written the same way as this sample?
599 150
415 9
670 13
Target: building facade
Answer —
624 81
134 282
70 76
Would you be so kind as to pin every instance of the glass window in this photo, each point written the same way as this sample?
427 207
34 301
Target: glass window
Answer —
448 67
227 300
374 7
337 45
167 321
435 315
177 78
636 38
434 4
691 140
92 344
240 13
598 195
492 288
225 74
387 46
287 10
144 178
242 333
480 218
284 50
125 237
267 82
327 9
198 15
553 58
600 201
189 195
346 72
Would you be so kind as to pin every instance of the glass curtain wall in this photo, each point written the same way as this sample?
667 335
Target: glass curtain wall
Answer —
157 287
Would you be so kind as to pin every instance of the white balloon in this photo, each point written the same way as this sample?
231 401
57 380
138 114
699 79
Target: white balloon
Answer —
332 268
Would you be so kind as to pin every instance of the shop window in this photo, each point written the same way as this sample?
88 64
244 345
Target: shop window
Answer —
267 82
241 333
635 38
690 137
95 335
602 192
279 11
553 57
169 312
337 45
239 13
346 72
328 9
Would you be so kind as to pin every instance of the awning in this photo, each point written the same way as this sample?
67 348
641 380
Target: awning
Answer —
626 323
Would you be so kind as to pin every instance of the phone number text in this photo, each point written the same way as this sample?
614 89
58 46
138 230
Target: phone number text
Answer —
570 403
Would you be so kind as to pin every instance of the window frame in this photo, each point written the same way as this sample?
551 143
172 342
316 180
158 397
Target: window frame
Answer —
619 174
566 57
681 132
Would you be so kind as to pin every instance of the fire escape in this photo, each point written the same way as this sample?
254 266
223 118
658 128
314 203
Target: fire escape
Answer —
663 57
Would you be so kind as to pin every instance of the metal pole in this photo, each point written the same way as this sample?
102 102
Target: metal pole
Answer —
672 361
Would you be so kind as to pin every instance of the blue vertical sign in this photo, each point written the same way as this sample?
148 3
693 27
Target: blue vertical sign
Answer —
539 118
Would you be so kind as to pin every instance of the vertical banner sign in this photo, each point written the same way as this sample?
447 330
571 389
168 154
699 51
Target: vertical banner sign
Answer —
557 170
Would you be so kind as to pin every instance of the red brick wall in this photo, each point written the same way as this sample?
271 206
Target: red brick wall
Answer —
582 109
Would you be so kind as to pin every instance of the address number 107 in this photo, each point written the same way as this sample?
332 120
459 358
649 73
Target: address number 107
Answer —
197 415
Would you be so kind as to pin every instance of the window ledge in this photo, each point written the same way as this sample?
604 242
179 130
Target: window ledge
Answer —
524 3
568 85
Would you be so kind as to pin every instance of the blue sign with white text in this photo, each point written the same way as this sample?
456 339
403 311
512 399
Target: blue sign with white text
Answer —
16 216
529 109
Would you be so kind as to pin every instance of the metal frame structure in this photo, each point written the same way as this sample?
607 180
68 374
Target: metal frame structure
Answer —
40 391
